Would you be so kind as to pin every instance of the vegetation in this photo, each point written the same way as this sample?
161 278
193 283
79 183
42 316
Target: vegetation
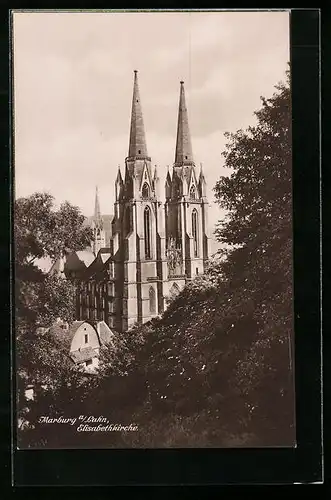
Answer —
215 369
40 231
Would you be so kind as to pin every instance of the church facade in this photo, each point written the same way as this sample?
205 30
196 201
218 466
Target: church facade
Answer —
154 246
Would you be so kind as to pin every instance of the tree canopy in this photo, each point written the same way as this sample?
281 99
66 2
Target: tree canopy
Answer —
40 231
41 298
216 368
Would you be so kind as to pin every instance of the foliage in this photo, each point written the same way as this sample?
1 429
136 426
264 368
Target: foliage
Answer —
39 300
40 231
215 369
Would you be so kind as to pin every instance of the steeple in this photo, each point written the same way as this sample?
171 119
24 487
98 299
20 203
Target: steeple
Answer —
137 144
97 212
184 154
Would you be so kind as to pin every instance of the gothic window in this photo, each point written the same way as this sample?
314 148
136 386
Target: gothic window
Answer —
127 221
195 232
145 191
147 232
152 300
192 193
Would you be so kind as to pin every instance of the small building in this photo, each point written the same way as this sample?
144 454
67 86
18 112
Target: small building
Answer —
83 340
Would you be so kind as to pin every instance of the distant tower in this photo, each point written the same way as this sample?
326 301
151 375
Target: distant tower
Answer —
186 207
138 228
99 238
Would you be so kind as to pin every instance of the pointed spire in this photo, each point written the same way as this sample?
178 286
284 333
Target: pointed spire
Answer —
183 144
137 145
119 179
97 212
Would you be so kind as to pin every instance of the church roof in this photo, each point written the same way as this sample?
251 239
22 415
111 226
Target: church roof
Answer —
137 143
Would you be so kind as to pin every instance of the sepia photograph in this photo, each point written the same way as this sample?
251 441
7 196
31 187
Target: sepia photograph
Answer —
152 213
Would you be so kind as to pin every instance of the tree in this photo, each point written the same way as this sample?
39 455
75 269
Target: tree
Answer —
219 359
41 231
258 229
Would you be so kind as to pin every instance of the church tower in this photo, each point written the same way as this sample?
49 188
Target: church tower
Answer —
138 228
185 207
99 237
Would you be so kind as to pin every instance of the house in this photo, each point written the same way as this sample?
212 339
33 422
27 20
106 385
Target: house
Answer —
83 340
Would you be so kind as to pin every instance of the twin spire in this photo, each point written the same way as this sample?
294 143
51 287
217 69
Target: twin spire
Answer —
137 144
183 144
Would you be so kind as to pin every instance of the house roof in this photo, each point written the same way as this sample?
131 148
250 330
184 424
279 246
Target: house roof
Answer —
105 333
84 354
65 336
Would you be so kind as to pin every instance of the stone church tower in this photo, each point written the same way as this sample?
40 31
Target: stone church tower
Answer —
153 248
138 229
186 206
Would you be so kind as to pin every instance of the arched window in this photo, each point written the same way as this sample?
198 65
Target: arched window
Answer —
152 300
145 191
192 193
195 232
127 221
147 232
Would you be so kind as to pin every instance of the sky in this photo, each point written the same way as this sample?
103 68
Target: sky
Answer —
73 82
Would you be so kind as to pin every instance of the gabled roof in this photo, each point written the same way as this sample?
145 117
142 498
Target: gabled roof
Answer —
63 336
105 333
99 264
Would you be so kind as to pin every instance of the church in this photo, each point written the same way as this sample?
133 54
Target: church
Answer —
146 252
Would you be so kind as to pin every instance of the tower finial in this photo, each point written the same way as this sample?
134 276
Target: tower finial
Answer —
137 144
183 144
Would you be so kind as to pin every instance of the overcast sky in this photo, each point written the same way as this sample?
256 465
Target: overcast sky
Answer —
73 78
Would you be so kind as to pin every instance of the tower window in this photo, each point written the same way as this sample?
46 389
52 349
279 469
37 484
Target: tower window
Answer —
139 150
152 300
86 338
192 193
195 232
147 232
185 157
145 192
127 221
